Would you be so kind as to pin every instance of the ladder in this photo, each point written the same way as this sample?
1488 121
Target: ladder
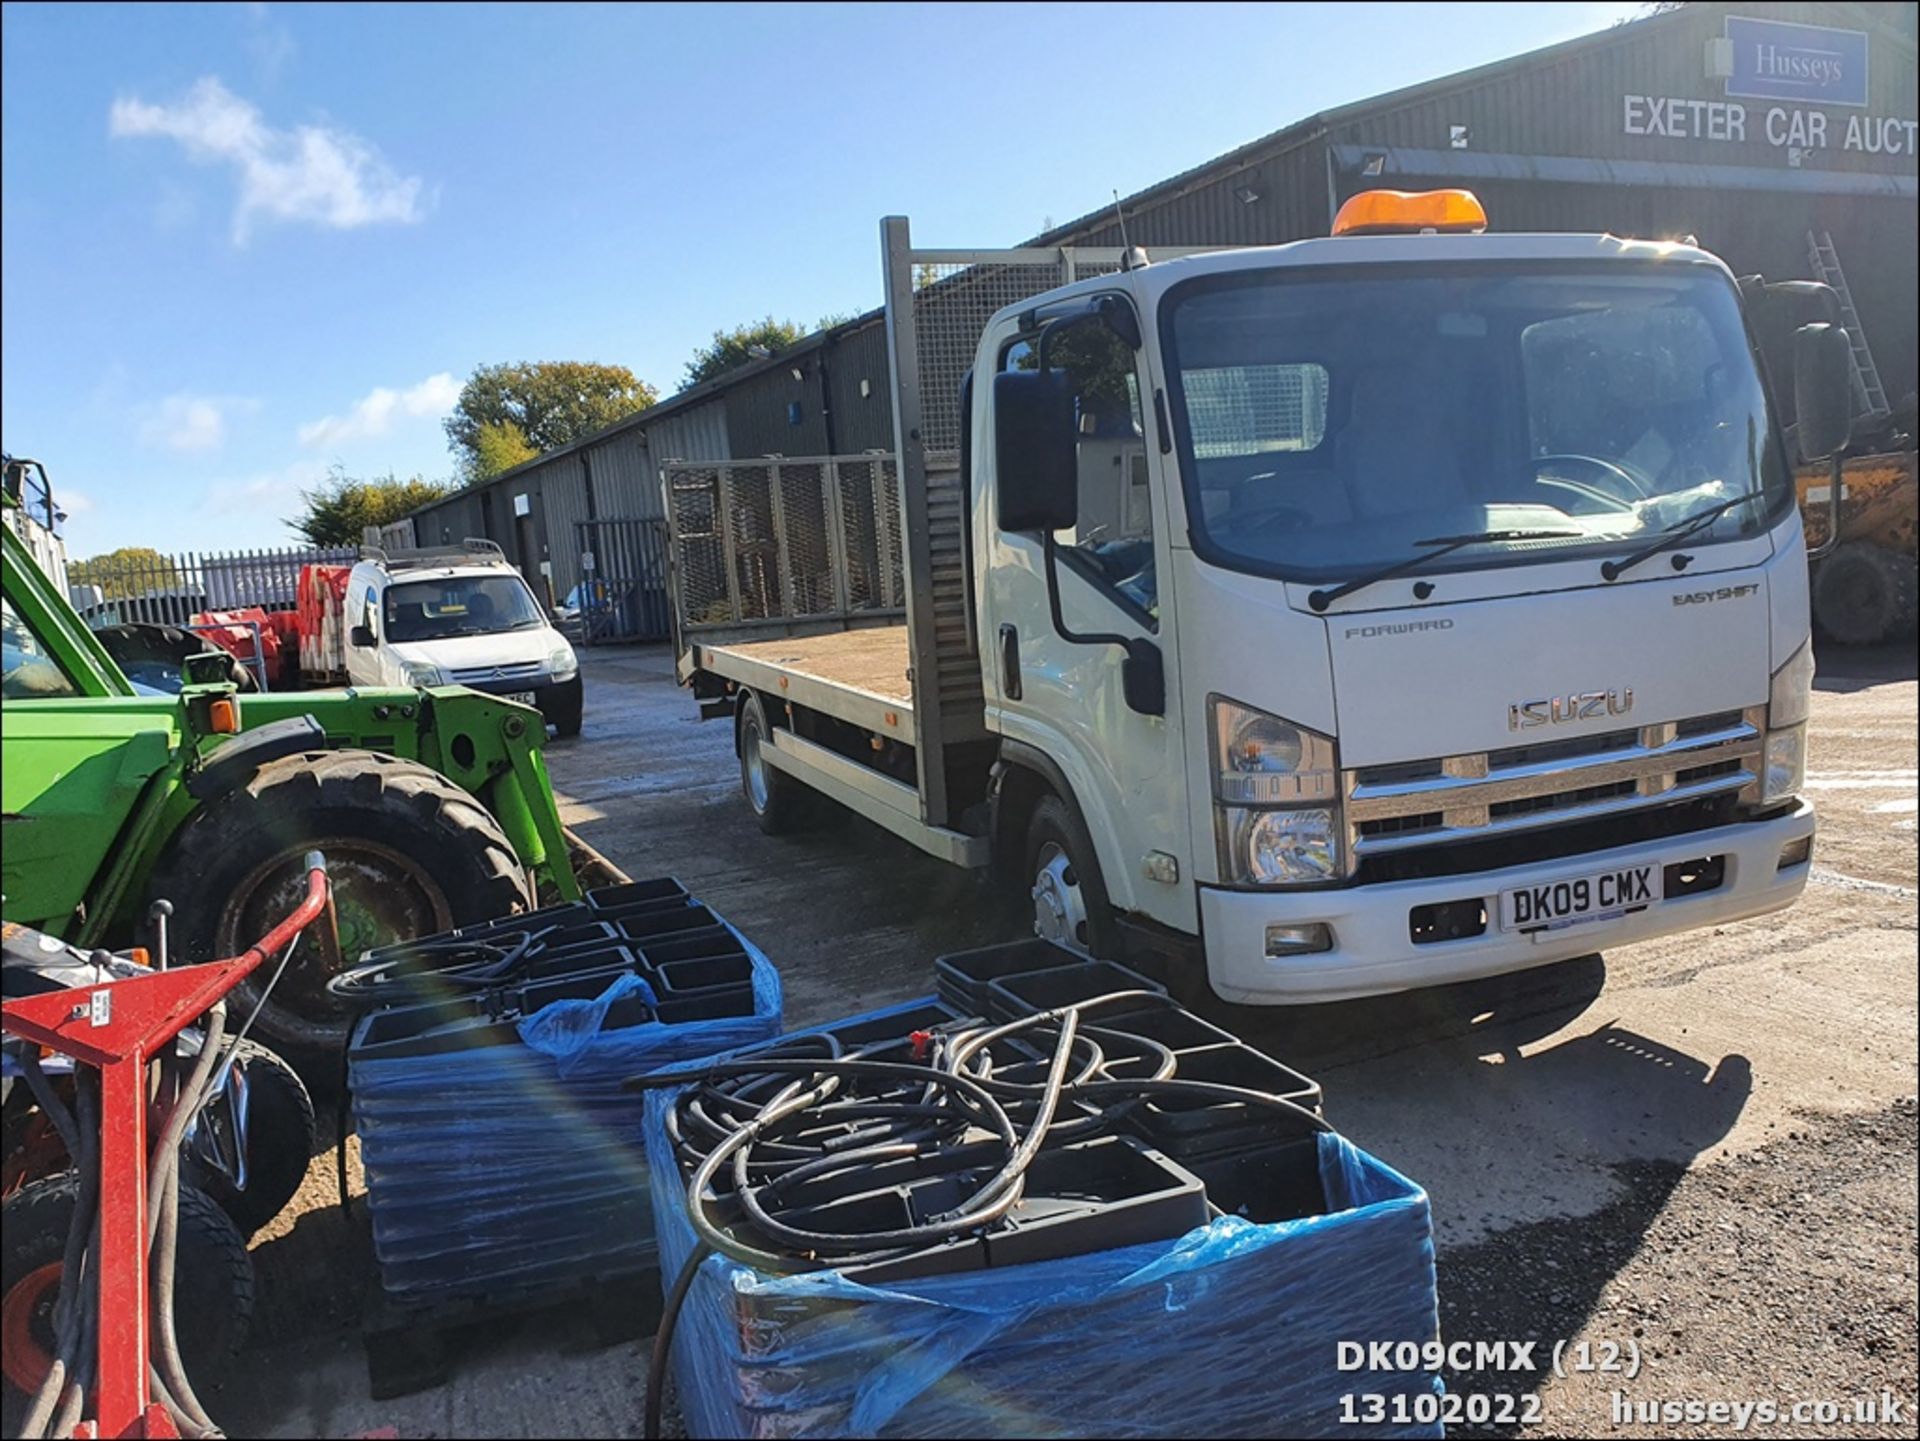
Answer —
1870 397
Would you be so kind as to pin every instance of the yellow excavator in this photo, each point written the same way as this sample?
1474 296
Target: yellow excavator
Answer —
1864 589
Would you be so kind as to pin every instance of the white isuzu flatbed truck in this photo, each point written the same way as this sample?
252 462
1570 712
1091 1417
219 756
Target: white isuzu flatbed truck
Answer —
1325 620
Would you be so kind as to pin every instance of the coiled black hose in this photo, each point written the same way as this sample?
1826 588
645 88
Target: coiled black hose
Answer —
431 969
774 1120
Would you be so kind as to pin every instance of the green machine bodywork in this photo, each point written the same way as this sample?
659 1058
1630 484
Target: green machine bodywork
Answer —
96 777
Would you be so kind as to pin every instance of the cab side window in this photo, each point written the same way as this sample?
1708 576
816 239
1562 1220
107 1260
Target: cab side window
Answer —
370 611
1112 542
27 671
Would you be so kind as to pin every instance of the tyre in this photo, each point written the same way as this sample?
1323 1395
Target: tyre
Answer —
409 853
280 1136
777 800
213 1278
563 710
1864 593
1070 904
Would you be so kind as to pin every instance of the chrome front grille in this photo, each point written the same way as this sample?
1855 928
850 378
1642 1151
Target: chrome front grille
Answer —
1470 797
526 669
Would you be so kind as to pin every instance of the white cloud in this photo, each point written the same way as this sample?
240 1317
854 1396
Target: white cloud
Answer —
189 422
310 173
375 412
268 41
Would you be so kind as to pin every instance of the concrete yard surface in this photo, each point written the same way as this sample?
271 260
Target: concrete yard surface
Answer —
1701 1148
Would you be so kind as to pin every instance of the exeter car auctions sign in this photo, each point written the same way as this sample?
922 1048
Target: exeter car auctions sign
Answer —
1776 61
1770 60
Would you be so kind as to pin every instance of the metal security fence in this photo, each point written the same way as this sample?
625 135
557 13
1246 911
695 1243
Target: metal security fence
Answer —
813 538
622 592
151 588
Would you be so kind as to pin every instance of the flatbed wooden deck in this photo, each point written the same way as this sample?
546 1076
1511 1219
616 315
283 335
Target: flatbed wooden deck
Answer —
859 676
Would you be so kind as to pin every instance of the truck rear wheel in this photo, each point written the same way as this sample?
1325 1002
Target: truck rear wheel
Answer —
1070 906
776 799
409 853
1864 593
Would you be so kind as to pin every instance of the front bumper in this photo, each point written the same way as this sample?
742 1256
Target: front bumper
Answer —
1373 948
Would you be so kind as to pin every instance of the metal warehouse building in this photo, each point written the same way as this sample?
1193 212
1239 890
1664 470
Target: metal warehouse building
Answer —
1766 131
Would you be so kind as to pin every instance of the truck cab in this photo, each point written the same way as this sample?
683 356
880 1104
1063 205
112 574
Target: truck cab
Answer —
1384 610
458 615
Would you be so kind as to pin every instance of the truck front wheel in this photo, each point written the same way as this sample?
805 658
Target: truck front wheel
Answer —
408 851
1070 906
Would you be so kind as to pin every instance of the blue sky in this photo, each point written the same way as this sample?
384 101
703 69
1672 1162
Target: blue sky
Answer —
244 242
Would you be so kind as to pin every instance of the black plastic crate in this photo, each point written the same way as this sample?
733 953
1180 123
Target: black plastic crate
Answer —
1089 1196
1027 992
964 976
431 1030
710 1005
644 925
680 978
1167 1023
1276 1182
1186 1126
663 891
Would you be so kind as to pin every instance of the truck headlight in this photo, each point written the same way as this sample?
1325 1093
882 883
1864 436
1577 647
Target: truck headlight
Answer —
423 673
1789 698
1293 846
1786 765
1276 788
560 662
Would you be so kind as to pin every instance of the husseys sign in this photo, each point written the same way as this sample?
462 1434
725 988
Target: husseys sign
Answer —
1767 60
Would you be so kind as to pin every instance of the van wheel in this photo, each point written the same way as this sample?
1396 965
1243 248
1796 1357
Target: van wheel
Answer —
1070 905
563 711
776 800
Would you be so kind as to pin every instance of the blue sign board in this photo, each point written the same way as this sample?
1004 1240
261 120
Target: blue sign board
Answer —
1776 61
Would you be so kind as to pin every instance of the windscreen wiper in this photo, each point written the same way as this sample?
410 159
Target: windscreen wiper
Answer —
1441 545
1678 533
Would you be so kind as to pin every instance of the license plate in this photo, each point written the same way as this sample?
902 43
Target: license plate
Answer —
524 697
1596 897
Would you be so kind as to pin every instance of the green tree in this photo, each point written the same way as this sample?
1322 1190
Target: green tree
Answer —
342 507
499 447
740 346
130 570
550 403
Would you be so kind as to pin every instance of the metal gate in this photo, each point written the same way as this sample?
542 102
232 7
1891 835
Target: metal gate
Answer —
622 593
759 543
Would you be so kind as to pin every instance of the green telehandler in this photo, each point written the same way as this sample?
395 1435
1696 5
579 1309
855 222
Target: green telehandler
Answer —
432 806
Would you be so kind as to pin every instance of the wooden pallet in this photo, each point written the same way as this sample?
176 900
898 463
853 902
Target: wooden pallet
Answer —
414 1345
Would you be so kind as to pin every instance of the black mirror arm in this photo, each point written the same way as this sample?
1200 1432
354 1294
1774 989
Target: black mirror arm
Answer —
1140 652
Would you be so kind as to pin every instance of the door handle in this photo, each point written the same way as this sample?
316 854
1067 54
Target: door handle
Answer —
1010 662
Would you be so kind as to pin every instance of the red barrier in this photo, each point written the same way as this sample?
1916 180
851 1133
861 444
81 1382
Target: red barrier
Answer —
322 611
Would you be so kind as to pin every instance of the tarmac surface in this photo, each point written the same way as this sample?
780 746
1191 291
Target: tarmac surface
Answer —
1703 1145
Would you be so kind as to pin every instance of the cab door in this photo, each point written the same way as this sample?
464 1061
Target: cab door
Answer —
1065 696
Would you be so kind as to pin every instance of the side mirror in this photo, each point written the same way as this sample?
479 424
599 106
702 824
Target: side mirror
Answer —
362 635
1037 476
1822 390
1143 678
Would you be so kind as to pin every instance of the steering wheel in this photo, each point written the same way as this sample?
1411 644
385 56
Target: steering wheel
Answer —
1606 467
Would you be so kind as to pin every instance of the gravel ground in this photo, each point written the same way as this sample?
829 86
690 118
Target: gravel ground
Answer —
1786 1273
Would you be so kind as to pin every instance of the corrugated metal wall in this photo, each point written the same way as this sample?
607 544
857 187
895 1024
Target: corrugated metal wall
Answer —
626 483
773 413
860 422
696 433
563 492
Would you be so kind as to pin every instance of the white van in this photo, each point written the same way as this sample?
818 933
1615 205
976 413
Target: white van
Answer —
458 615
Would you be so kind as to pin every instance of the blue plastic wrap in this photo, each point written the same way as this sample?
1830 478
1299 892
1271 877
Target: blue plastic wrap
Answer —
1229 1330
520 1165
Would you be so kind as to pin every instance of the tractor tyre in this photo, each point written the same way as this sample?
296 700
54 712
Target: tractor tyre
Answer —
1864 593
280 1141
213 1279
409 853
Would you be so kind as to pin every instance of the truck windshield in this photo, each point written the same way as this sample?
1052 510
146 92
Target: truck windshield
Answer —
1326 425
459 605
